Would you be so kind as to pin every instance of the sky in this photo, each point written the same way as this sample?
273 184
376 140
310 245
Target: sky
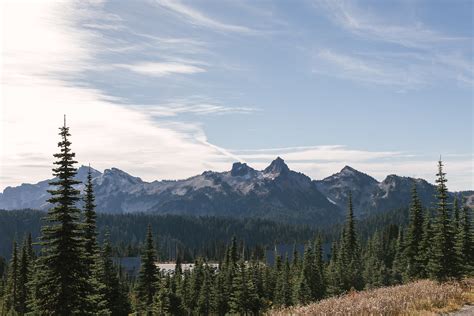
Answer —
166 89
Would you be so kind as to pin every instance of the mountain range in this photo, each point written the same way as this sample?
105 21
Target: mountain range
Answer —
276 193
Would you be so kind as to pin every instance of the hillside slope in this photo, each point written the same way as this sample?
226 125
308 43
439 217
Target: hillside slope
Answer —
423 297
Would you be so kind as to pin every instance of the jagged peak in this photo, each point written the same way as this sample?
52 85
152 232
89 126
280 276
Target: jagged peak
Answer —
277 166
349 169
240 169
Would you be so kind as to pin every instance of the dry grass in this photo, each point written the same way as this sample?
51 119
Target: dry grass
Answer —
418 298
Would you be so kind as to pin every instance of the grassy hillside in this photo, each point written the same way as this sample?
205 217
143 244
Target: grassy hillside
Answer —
418 298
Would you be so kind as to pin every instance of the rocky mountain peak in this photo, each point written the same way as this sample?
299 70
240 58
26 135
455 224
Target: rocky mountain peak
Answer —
278 166
240 169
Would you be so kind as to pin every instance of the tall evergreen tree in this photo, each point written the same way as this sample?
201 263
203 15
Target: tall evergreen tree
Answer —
426 246
162 305
92 261
349 259
284 289
112 291
443 262
63 282
465 242
204 303
24 277
413 238
90 226
11 297
148 276
320 268
399 262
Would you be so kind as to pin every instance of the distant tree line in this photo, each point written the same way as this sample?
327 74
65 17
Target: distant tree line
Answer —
74 274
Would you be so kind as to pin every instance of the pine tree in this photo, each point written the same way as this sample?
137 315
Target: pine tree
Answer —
399 262
92 257
184 292
456 214
219 295
148 276
465 243
309 273
11 297
426 246
197 278
333 276
414 238
204 303
320 291
116 299
90 229
284 289
443 262
162 305
349 261
63 282
302 291
24 277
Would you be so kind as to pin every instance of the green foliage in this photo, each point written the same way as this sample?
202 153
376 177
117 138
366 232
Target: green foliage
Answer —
62 277
148 276
464 242
413 268
443 263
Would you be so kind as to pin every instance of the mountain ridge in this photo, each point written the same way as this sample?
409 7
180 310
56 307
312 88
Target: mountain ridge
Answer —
276 193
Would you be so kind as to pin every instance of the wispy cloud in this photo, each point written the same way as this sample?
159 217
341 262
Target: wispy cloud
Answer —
332 153
175 109
42 49
371 26
378 70
196 17
423 55
405 71
159 69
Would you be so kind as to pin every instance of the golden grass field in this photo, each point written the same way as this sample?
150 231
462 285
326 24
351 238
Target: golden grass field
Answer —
422 298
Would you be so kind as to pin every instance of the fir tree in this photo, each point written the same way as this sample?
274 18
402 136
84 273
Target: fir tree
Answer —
414 238
24 277
197 278
162 305
148 276
443 262
399 262
349 260
204 303
426 246
320 291
113 291
219 297
465 243
302 291
284 290
90 229
11 297
92 257
309 273
63 282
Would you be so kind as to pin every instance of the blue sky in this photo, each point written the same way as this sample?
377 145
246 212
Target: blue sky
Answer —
167 89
